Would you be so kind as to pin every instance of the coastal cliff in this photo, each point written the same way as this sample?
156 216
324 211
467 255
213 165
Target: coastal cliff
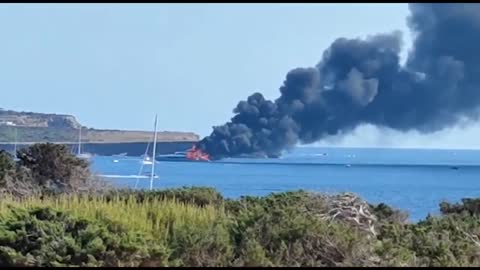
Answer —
25 128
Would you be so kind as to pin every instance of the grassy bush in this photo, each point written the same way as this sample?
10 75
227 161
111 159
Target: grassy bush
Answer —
188 234
281 230
45 237
468 205
54 167
7 163
284 229
16 180
46 169
200 196
436 241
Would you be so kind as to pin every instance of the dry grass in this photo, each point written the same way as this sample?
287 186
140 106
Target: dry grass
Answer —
156 217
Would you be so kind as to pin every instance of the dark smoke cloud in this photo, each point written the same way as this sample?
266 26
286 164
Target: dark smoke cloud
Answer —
361 81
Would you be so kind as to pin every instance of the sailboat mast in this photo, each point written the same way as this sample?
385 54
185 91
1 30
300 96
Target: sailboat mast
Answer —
79 140
15 145
153 154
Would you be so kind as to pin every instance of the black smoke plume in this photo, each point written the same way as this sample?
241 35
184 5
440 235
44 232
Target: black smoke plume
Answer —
361 81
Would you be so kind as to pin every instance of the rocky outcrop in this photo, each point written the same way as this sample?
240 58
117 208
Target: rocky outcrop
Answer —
58 128
30 119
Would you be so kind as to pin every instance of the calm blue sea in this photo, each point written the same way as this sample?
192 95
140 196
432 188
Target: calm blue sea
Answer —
411 179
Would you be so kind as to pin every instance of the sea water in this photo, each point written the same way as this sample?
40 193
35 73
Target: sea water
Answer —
414 180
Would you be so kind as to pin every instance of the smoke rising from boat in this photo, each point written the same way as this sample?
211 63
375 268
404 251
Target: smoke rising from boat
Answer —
361 81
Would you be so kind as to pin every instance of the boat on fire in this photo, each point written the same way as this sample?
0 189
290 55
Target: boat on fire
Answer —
190 155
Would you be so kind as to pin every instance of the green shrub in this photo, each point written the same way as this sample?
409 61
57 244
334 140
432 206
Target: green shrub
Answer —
435 241
45 170
53 167
45 237
7 164
468 205
14 179
385 213
200 196
279 230
193 235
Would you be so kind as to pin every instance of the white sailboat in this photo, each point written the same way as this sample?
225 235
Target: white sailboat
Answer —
147 161
79 151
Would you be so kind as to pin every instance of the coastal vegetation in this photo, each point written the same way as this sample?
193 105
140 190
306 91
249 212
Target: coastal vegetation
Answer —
53 212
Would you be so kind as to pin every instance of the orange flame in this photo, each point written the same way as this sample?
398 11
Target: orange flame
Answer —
197 154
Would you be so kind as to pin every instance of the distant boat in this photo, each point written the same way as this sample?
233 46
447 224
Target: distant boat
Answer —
177 156
147 161
191 155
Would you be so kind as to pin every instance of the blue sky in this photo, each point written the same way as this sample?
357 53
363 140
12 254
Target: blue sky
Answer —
116 65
